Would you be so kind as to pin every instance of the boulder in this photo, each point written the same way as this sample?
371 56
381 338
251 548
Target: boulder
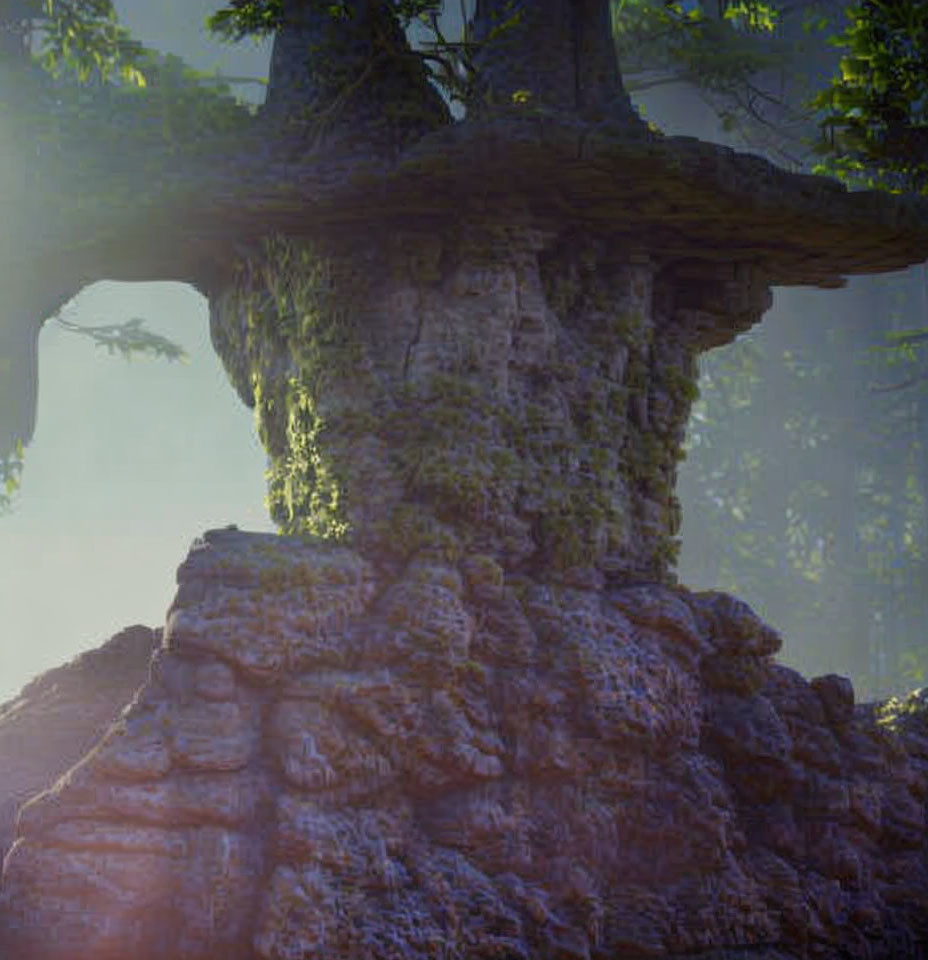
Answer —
59 716
330 760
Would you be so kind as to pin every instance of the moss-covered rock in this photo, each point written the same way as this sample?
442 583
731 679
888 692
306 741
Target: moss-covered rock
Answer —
498 390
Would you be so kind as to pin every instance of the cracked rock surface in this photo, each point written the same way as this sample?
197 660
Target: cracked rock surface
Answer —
328 761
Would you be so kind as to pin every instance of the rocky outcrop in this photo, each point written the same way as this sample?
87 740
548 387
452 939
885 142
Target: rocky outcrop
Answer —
59 716
477 719
329 761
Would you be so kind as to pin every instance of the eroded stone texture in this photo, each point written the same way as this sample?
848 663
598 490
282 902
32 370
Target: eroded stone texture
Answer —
456 762
501 389
56 718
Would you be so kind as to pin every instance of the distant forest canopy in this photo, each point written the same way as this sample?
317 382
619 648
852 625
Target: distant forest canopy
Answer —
870 102
805 489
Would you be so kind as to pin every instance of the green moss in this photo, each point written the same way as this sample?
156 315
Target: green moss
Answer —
897 713
462 470
291 307
684 389
410 530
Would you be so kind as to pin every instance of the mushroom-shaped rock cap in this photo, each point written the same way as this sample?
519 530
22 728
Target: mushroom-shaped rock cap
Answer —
550 129
677 198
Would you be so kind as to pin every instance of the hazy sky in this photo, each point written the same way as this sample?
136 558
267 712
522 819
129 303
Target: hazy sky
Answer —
130 461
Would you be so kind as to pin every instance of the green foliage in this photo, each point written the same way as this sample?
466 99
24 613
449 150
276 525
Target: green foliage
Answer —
91 138
897 713
81 36
875 128
872 116
903 348
450 61
729 52
243 18
86 108
688 44
806 488
128 339
102 100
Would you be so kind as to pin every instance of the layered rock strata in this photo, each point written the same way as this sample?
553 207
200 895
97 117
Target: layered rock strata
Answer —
61 714
331 762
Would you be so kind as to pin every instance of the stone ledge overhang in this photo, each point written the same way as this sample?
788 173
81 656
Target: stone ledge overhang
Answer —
674 198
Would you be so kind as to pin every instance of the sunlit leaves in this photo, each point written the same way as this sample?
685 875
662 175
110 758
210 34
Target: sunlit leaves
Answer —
84 36
875 112
243 18
902 349
682 38
752 15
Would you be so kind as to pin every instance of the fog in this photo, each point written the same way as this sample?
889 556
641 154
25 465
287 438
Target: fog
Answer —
131 461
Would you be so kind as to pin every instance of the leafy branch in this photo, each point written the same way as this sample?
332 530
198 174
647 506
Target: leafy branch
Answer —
128 339
902 348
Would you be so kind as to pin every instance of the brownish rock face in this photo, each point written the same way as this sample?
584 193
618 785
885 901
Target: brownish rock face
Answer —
455 761
60 715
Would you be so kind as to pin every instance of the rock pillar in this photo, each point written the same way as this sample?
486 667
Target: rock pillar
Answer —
495 389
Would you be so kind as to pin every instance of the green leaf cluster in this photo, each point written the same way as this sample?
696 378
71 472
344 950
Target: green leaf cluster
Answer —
11 470
684 42
257 18
875 124
80 36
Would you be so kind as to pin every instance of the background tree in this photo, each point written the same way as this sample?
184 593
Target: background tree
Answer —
83 36
876 108
804 489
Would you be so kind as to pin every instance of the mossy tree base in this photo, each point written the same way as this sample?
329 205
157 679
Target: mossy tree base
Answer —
499 389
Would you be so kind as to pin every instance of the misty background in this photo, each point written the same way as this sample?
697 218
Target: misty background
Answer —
797 493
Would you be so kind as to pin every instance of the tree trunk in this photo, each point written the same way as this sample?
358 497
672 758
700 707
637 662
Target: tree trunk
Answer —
550 54
349 80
